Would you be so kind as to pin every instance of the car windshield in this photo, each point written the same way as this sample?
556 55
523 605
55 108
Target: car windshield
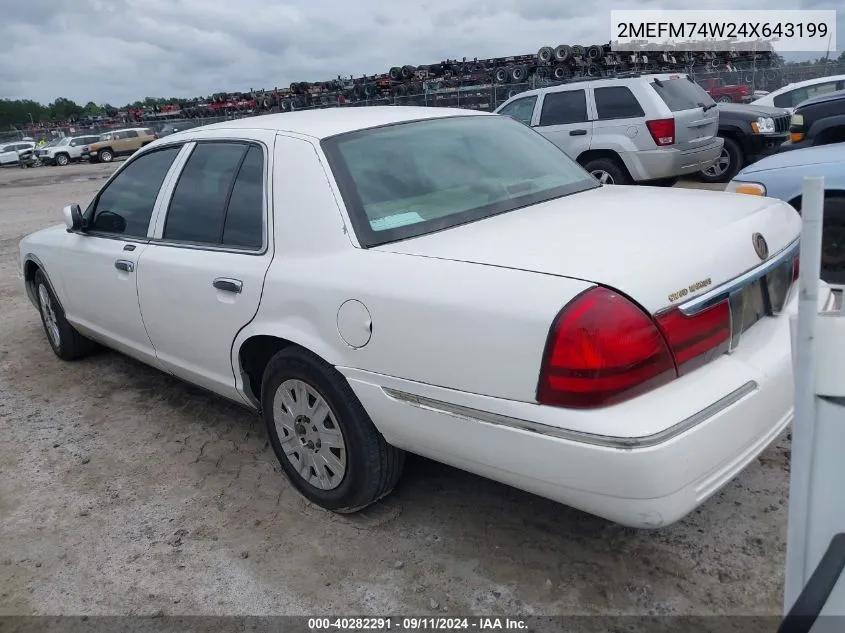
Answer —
410 179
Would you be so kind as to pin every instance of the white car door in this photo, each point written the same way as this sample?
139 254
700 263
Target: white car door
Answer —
99 266
565 118
8 154
200 280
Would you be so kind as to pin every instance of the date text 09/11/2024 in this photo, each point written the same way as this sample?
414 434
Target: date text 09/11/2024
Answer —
415 624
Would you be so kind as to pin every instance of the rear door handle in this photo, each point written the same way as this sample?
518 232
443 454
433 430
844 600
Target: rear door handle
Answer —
124 265
229 285
577 132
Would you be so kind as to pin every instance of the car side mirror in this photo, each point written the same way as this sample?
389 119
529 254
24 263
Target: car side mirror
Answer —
73 217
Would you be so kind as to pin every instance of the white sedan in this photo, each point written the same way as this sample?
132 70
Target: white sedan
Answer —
445 282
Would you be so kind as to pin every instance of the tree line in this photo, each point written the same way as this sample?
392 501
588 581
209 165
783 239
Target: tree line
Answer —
22 112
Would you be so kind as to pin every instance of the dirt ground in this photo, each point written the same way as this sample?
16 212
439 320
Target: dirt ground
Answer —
123 491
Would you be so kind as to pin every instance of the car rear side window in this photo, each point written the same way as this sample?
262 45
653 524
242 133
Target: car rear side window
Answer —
681 94
800 95
198 204
617 102
560 108
244 223
125 206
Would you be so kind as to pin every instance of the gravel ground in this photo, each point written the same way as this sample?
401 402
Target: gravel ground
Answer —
124 491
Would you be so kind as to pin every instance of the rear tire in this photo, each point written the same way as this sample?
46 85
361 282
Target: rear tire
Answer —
66 342
728 164
607 171
317 427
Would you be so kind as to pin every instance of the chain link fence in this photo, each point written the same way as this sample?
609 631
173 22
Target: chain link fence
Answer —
449 94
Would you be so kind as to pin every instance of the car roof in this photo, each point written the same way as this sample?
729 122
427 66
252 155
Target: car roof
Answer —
579 83
807 82
830 96
327 122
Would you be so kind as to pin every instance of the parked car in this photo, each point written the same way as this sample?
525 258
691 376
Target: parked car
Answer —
782 176
724 93
465 292
118 143
66 150
793 94
750 132
819 121
10 152
643 129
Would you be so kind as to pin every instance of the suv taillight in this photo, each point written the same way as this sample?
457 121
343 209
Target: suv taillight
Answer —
603 349
662 131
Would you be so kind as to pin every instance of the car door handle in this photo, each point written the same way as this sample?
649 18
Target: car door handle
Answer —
577 132
124 265
229 285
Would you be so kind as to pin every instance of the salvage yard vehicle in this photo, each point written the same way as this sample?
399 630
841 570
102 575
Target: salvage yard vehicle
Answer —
791 95
750 132
818 121
10 152
446 282
781 176
643 129
66 150
118 143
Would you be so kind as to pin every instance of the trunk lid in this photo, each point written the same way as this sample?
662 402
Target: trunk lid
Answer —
649 243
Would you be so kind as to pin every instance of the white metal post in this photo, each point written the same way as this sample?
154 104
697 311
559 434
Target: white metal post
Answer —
807 503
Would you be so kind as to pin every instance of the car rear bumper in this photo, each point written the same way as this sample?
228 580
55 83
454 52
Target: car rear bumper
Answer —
704 429
669 162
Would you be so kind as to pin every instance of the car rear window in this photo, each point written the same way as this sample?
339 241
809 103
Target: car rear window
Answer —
409 179
681 94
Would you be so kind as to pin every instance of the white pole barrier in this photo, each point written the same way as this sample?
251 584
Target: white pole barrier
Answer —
803 368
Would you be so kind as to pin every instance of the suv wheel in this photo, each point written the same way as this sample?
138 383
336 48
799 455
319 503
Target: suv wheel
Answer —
726 166
607 171
106 156
62 160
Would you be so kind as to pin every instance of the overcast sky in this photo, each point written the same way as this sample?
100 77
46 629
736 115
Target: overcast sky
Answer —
118 51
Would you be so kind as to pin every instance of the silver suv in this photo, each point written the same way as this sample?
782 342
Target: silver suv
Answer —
65 150
647 129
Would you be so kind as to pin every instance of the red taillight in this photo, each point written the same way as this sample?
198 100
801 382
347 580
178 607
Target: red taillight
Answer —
603 349
696 340
662 131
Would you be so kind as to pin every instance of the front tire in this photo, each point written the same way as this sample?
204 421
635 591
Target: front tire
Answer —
61 160
325 442
105 156
66 342
726 166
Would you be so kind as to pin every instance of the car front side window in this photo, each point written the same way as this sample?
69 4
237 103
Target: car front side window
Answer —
522 109
125 206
